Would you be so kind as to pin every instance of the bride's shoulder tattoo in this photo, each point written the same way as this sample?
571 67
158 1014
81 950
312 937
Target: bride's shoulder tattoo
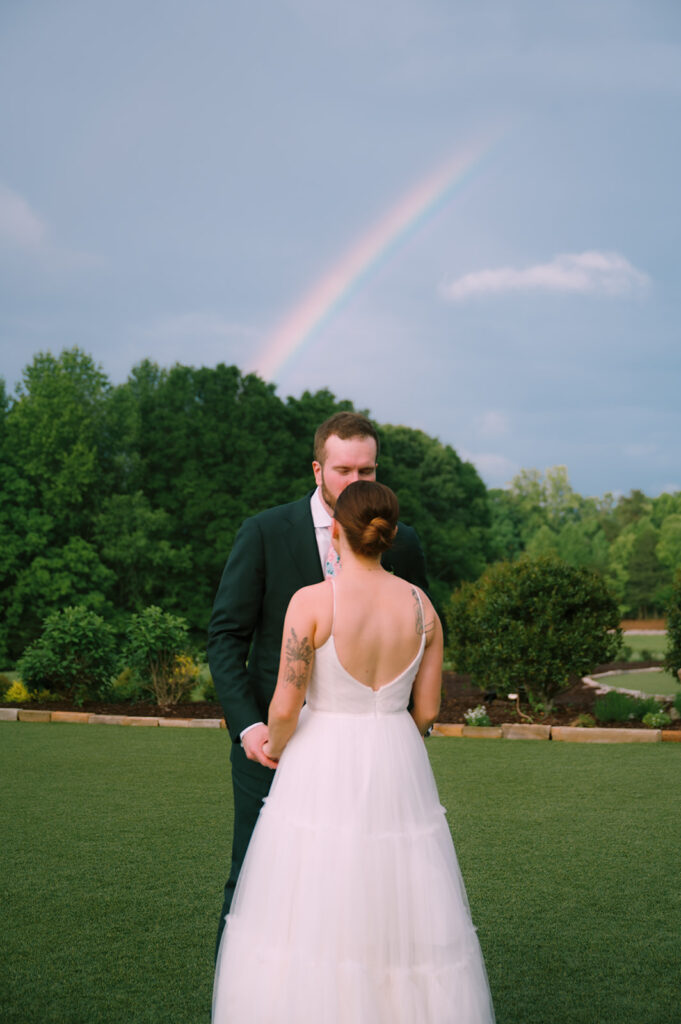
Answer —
421 627
299 654
419 612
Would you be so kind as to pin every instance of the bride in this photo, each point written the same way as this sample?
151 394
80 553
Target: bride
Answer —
350 907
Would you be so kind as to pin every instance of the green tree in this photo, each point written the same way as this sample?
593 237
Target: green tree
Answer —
53 463
532 624
506 525
673 656
668 549
133 543
444 499
646 573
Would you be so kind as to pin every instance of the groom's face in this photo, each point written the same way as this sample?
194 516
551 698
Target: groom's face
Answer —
344 462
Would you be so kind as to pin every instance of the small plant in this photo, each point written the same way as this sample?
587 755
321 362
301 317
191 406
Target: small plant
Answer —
677 702
626 653
622 707
208 691
656 719
17 693
585 721
5 683
477 716
126 686
45 696
645 654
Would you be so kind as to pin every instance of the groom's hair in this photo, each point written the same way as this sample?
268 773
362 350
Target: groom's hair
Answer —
344 425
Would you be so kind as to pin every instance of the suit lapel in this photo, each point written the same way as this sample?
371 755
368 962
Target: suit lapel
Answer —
302 543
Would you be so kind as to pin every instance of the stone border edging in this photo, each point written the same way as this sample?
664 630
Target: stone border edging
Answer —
85 718
507 731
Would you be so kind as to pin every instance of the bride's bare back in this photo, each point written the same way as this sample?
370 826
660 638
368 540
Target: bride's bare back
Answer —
379 623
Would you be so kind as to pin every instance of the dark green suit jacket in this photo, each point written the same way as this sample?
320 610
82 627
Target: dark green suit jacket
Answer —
274 554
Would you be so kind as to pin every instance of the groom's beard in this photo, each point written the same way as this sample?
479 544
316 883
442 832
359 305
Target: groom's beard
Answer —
328 497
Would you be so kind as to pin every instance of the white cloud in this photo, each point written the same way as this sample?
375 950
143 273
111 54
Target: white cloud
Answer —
20 226
593 272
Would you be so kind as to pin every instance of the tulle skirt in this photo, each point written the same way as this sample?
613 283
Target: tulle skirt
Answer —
350 907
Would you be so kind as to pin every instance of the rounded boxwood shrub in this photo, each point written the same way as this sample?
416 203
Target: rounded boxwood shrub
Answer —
75 657
531 625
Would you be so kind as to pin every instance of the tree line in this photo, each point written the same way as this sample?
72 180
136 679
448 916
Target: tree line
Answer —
118 497
115 498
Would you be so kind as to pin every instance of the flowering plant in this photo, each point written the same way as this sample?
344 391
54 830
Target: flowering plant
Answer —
477 716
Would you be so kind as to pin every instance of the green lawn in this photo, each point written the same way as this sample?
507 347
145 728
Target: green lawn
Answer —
115 848
656 646
647 682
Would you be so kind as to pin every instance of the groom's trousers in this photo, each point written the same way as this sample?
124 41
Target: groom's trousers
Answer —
251 783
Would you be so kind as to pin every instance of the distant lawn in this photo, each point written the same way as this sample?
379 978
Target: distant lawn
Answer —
655 645
648 682
116 843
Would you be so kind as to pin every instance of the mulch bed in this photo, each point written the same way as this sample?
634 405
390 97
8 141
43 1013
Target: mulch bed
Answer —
458 696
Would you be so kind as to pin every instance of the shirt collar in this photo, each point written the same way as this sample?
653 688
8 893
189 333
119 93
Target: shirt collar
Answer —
320 517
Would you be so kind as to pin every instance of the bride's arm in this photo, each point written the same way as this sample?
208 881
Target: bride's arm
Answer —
427 689
295 668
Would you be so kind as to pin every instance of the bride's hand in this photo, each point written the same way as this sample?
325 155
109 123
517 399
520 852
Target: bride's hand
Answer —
267 751
254 742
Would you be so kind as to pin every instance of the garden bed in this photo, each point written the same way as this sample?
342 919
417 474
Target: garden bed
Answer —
458 696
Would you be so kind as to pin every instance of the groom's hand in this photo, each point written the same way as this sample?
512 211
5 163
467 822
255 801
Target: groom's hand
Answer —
253 743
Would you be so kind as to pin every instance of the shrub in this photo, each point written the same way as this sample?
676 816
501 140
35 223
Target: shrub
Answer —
626 653
17 693
623 707
677 702
585 721
127 686
532 624
208 691
656 719
672 659
157 645
75 656
5 683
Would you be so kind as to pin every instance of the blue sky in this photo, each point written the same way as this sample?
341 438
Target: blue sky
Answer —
175 179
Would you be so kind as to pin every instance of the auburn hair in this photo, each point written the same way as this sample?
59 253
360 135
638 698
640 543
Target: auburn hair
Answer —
344 425
368 512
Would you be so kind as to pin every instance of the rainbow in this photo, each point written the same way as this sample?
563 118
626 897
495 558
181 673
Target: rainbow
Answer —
334 289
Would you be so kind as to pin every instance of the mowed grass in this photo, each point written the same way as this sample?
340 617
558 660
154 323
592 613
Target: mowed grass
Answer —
652 645
658 682
116 842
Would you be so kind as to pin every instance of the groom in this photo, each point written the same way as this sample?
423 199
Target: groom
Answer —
274 554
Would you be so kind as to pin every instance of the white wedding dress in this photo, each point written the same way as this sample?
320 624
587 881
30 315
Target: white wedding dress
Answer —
350 907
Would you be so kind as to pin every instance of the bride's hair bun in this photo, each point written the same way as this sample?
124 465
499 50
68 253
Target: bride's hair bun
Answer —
368 513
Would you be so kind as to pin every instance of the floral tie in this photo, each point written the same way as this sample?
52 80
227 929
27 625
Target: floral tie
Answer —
332 563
